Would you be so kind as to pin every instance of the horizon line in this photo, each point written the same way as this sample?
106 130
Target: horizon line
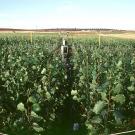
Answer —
63 28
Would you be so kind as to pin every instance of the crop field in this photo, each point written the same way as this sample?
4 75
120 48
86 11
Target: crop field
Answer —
42 95
123 35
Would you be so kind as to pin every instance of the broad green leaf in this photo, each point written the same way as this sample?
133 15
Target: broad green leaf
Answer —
131 88
37 128
99 106
36 107
32 99
82 78
43 71
52 116
104 96
89 126
132 79
33 67
33 114
65 76
120 98
119 63
48 95
74 92
117 88
75 97
21 107
7 74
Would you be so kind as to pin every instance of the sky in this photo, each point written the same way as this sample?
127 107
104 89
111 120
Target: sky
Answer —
38 14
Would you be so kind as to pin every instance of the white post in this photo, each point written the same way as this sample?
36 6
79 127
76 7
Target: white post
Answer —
64 42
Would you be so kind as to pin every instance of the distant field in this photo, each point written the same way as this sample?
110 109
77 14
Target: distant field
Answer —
123 35
74 32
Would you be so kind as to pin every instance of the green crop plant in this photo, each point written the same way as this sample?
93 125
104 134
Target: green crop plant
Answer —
33 83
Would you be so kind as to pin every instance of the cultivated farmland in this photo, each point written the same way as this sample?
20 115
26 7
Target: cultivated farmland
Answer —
39 93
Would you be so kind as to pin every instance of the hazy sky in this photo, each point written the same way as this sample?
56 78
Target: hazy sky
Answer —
117 14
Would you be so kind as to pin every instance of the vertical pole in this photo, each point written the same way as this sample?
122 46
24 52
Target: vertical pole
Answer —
99 38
